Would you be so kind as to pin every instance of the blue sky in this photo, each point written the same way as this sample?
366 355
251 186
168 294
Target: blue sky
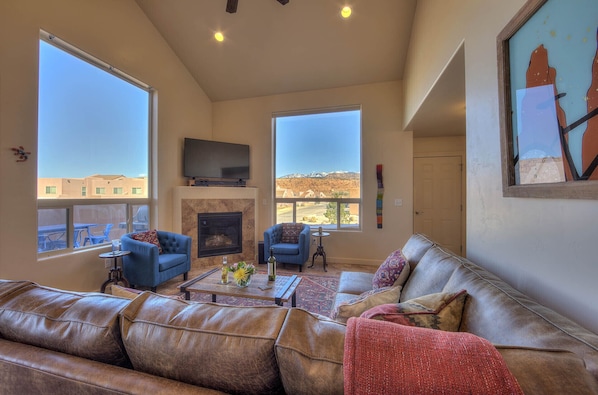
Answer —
90 122
318 143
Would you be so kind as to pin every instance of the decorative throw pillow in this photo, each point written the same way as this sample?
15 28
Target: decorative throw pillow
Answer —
150 236
290 232
365 301
393 271
435 311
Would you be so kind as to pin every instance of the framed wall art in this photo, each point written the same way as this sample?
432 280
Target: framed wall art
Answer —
548 91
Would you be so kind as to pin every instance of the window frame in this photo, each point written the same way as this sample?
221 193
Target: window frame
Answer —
69 204
338 227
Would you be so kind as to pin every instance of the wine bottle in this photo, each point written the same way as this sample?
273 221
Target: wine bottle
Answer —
224 272
272 266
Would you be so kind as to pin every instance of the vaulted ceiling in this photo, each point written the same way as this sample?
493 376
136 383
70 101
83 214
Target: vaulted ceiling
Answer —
270 48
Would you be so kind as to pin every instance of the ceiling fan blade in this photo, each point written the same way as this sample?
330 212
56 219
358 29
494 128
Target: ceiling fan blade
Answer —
231 6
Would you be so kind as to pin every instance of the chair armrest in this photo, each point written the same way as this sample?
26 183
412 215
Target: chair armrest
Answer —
304 235
304 238
140 250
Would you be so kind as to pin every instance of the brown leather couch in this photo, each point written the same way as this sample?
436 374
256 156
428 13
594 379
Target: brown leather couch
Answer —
546 352
59 342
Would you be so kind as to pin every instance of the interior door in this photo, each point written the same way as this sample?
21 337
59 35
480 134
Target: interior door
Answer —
437 200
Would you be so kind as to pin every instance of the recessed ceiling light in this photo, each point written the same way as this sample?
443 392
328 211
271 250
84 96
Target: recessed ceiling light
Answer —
346 12
219 36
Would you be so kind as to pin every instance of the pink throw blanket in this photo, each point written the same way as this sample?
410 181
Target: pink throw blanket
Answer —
385 358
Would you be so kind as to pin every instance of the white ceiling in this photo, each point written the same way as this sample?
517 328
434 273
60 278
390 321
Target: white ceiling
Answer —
304 45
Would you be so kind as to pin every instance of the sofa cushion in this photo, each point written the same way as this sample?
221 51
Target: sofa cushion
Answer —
150 236
168 261
355 282
384 358
365 301
80 324
226 348
290 232
309 351
431 273
435 311
415 248
523 321
393 271
285 249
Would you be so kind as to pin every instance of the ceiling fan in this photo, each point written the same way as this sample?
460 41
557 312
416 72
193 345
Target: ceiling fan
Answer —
231 5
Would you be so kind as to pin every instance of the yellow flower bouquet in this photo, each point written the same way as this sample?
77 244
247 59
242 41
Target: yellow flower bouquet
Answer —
242 272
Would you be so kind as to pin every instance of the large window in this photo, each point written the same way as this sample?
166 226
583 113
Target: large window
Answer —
317 168
93 149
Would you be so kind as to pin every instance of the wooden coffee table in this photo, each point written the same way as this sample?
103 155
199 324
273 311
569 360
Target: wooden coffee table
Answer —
280 291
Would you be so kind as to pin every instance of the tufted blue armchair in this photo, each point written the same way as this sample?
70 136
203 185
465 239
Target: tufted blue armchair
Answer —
286 251
146 267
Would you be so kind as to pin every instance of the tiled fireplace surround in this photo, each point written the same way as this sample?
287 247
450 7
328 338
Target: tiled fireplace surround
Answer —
190 201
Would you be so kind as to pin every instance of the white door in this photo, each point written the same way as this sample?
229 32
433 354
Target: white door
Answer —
437 200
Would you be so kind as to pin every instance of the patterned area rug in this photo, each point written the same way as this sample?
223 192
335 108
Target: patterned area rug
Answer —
314 294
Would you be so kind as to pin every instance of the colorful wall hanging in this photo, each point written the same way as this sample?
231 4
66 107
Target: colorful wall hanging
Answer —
548 78
379 196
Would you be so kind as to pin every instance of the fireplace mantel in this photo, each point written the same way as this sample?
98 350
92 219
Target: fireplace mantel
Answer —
190 201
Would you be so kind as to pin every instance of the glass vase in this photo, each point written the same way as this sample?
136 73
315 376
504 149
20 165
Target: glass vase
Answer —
242 283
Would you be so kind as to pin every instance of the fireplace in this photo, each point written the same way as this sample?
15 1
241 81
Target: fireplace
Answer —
219 233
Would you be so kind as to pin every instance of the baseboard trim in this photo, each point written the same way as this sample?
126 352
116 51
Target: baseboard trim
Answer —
351 261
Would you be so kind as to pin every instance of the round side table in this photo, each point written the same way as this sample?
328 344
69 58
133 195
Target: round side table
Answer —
320 250
115 276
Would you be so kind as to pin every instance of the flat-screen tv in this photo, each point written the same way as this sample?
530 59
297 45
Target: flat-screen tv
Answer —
207 159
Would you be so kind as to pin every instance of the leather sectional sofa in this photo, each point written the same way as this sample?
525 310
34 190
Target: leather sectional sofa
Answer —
547 352
57 341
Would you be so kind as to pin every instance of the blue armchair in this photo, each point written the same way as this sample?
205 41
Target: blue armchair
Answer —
290 243
146 267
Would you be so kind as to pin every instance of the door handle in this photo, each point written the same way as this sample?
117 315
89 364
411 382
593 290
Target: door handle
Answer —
419 212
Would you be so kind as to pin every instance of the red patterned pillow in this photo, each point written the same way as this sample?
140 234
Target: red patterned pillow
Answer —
393 271
435 311
150 236
290 232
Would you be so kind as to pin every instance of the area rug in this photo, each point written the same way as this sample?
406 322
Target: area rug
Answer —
314 294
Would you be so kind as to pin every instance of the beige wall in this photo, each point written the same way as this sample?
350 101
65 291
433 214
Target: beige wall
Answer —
250 121
544 247
117 32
